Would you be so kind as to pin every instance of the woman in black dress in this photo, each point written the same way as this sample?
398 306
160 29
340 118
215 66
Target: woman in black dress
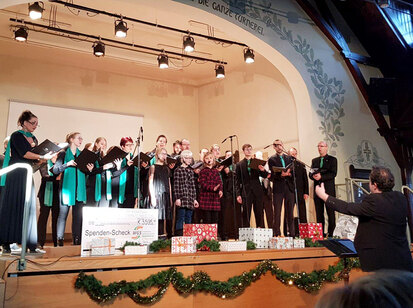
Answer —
160 192
72 188
13 196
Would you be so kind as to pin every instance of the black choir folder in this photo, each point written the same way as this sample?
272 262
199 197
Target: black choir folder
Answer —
48 146
281 169
340 247
144 159
170 160
255 162
86 157
115 153
226 162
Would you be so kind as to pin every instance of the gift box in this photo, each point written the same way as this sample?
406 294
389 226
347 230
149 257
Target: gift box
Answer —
102 246
259 236
280 243
311 230
298 243
137 250
201 231
233 246
183 244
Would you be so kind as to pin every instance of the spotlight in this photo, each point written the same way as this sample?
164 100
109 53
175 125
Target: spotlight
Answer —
189 43
219 71
121 28
20 34
249 55
35 10
163 61
383 3
98 49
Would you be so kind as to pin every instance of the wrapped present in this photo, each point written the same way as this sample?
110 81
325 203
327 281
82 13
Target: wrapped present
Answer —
298 243
183 244
259 236
201 231
136 250
280 243
102 246
311 230
233 246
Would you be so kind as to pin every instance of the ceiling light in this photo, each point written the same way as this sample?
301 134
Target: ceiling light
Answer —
189 43
99 49
163 61
219 71
20 34
35 10
383 3
248 55
121 28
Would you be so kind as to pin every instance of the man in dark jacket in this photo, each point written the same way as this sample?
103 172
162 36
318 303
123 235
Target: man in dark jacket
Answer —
381 240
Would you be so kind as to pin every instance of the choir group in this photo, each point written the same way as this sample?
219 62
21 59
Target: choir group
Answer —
182 189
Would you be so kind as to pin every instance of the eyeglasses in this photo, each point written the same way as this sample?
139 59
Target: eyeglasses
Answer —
34 123
276 144
128 144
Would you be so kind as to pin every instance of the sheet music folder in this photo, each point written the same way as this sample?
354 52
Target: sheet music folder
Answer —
144 158
112 155
48 146
255 162
340 247
281 169
86 157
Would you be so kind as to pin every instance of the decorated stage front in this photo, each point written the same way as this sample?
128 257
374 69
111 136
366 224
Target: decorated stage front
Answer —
51 281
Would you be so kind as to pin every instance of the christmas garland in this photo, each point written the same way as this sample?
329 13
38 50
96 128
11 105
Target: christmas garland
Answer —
201 282
205 245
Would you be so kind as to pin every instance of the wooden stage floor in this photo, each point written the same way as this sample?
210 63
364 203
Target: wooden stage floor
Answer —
49 281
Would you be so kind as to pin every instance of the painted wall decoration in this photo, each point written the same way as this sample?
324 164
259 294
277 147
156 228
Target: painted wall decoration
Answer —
366 156
327 89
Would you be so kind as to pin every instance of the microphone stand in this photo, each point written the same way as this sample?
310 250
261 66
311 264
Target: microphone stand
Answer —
138 146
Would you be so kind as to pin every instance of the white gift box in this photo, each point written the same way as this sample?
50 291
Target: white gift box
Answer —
183 244
233 246
137 250
280 243
102 246
259 236
299 243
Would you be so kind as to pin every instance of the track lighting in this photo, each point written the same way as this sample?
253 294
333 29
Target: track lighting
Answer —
35 10
219 71
249 55
189 43
98 49
121 28
20 34
383 3
163 61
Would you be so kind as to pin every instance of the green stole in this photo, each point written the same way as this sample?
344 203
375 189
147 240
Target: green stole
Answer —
98 185
7 156
71 193
48 192
122 181
108 185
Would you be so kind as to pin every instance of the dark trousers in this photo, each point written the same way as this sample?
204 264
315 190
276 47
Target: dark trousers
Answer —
42 223
165 225
253 199
128 203
210 217
269 211
302 217
319 211
231 219
288 198
183 216
77 216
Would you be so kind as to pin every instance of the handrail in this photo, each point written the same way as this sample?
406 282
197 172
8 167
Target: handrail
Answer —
406 187
21 264
352 182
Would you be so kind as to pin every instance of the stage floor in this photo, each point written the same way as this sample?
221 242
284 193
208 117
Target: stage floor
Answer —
49 281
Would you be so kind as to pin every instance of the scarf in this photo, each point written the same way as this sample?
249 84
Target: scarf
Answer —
98 185
48 192
71 193
7 155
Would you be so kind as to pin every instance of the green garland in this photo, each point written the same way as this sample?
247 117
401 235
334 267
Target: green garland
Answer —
158 245
201 282
206 245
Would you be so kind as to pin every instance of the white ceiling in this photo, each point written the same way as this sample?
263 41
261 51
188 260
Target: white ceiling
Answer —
73 52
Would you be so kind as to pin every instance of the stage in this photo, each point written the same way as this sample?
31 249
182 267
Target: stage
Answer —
49 281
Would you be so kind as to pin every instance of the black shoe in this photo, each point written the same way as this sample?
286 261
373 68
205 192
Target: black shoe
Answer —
76 241
6 249
60 242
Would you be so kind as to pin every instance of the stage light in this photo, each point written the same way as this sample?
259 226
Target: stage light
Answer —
99 49
249 55
121 28
383 3
20 34
35 10
219 71
163 61
189 43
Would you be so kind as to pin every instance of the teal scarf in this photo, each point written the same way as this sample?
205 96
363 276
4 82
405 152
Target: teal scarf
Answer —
71 194
7 156
98 185
108 185
48 192
122 181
